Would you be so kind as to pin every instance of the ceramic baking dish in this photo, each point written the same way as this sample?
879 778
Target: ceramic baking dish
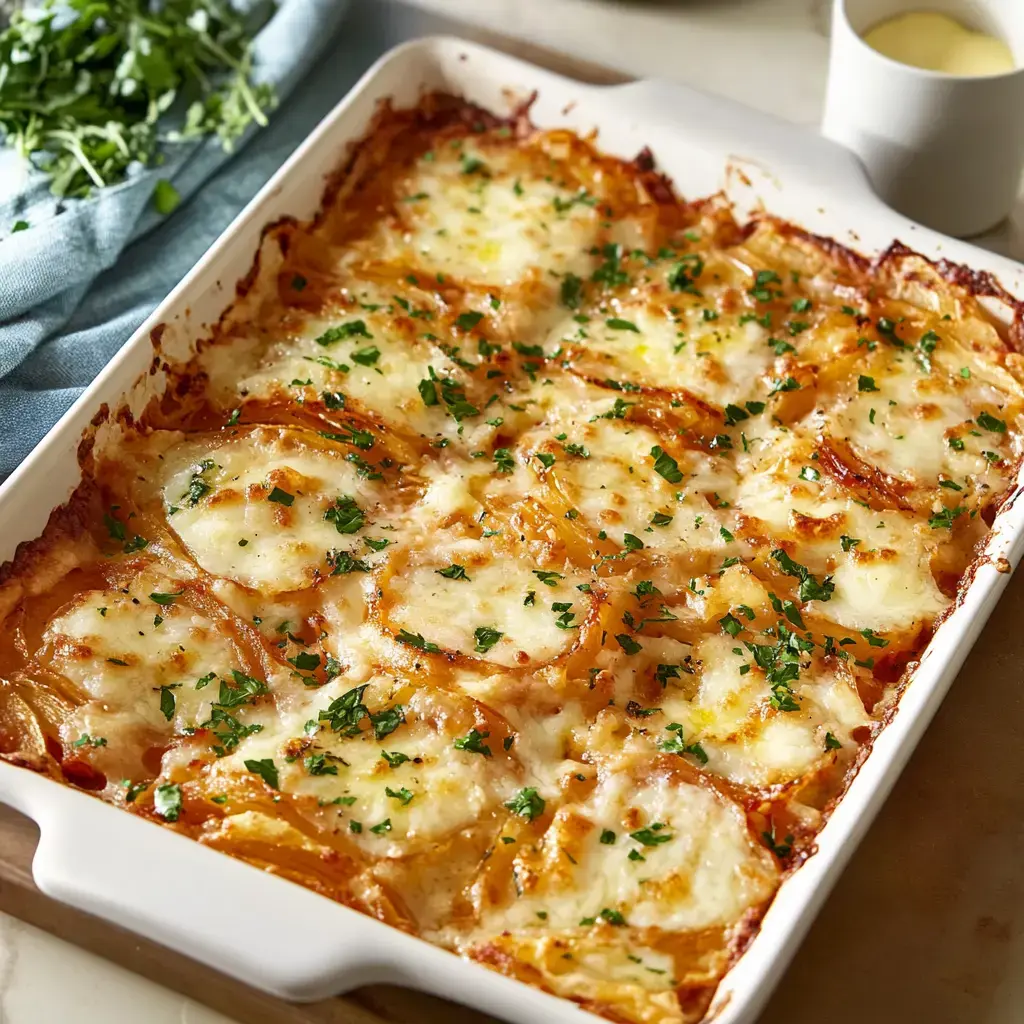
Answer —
253 925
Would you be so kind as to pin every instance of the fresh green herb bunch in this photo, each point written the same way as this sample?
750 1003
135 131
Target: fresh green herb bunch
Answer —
84 83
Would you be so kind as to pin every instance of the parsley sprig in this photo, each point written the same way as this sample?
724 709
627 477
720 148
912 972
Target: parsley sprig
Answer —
85 84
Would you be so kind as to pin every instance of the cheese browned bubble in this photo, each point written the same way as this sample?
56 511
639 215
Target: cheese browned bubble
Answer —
525 561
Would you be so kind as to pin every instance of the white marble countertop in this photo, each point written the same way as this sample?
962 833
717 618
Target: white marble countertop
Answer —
770 54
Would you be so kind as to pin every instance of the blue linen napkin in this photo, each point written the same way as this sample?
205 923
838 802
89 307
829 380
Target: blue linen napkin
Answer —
76 284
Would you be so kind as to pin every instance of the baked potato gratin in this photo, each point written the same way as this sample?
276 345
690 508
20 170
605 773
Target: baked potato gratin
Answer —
527 559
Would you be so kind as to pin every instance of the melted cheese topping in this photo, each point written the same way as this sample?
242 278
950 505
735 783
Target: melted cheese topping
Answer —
525 560
266 521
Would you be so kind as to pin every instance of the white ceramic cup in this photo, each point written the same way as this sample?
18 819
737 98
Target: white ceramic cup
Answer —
945 150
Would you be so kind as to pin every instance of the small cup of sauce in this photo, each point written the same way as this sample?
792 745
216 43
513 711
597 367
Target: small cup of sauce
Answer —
932 101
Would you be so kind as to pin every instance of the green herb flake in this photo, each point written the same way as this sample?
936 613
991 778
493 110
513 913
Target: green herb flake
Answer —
486 637
281 497
652 835
618 324
344 332
166 198
416 640
527 803
665 466
453 572
166 801
989 422
473 743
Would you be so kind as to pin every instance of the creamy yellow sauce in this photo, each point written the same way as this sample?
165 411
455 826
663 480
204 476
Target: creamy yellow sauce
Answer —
936 42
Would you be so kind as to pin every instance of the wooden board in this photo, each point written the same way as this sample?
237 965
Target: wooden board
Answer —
923 925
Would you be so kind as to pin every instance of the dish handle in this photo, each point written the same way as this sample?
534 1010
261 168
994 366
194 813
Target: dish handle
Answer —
765 138
193 899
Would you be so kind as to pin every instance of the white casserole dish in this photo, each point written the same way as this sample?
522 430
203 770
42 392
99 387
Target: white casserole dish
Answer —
255 926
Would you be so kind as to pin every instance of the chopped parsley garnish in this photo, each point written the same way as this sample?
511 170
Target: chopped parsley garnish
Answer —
317 764
610 272
403 795
866 383
346 515
503 461
781 850
780 663
810 588
628 644
343 332
452 393
366 356
343 562
730 624
281 497
467 321
652 835
486 637
547 577
617 412
353 435
675 745
244 690
527 803
571 291
344 713
416 640
988 422
387 721
453 572
265 768
197 486
166 801
787 608
789 384
682 276
618 324
760 291
473 742
873 638
167 700
943 519
666 466
85 740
